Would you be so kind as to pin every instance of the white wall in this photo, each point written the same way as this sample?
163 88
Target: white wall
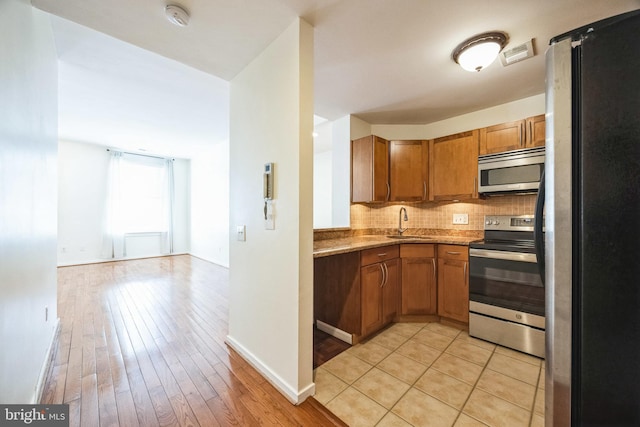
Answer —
271 273
332 172
359 128
82 197
28 190
322 183
82 201
210 205
322 176
341 163
503 113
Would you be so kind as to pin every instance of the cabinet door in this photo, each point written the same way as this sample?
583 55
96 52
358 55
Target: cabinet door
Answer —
336 290
408 170
536 131
371 280
419 286
453 289
453 167
502 137
369 170
391 291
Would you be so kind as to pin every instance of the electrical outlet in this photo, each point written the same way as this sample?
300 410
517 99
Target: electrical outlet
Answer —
461 219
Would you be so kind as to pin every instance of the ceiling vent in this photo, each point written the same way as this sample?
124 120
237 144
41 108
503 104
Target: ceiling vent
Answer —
517 54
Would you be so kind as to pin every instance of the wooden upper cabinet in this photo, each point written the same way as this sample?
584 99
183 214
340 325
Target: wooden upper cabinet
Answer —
369 170
536 131
516 135
502 137
408 170
453 167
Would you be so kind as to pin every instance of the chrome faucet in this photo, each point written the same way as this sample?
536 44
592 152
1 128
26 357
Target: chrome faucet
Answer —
406 218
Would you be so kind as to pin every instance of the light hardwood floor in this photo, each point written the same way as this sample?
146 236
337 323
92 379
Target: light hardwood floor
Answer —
142 343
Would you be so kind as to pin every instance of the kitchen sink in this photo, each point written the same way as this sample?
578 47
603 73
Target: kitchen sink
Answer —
400 236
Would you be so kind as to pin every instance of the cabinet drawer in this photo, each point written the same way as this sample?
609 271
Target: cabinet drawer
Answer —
453 252
417 250
371 256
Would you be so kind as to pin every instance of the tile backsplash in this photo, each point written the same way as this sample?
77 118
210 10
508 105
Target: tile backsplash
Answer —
432 215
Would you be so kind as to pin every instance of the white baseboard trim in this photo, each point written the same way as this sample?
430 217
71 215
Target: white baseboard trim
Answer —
335 332
294 396
207 259
103 260
46 366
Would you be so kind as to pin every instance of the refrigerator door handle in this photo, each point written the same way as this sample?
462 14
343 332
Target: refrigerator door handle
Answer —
538 234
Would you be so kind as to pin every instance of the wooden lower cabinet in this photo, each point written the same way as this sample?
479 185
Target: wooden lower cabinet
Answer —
379 285
371 278
380 295
336 291
361 292
391 292
453 282
419 295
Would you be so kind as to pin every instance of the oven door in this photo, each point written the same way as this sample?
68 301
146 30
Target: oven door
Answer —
506 279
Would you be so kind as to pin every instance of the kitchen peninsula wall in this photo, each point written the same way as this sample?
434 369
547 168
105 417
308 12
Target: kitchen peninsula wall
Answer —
439 215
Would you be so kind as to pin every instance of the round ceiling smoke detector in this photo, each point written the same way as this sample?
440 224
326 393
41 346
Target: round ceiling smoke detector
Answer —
177 15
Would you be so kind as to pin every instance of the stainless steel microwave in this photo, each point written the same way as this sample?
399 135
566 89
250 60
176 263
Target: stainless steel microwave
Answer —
517 171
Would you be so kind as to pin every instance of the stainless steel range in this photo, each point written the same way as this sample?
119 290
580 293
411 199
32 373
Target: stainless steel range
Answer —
506 294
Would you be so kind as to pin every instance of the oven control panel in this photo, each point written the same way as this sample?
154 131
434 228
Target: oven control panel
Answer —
509 222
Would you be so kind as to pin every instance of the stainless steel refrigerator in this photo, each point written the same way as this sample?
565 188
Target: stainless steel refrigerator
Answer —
592 225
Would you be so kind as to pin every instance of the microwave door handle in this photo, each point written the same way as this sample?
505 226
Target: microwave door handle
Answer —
538 235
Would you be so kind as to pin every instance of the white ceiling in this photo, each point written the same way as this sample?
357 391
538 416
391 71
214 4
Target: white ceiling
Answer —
384 61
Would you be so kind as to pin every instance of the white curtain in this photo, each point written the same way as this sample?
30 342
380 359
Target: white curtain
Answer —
168 197
113 237
125 215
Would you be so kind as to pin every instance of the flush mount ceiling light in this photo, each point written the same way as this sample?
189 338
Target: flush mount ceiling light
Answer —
479 51
177 15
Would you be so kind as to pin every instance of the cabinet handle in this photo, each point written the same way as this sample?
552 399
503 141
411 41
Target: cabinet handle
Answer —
383 275
475 186
465 272
388 190
433 262
453 253
520 136
424 190
530 133
386 273
381 255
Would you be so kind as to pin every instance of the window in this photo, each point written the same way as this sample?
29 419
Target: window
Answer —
140 201
142 189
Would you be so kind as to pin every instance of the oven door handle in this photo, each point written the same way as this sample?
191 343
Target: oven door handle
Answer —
508 256
538 232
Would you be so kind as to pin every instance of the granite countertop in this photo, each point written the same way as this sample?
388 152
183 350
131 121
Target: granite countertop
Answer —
328 247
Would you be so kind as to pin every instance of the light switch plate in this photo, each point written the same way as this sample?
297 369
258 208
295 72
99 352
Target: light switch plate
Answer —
461 219
241 233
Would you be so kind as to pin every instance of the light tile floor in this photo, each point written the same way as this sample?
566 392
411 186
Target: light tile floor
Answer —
429 374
